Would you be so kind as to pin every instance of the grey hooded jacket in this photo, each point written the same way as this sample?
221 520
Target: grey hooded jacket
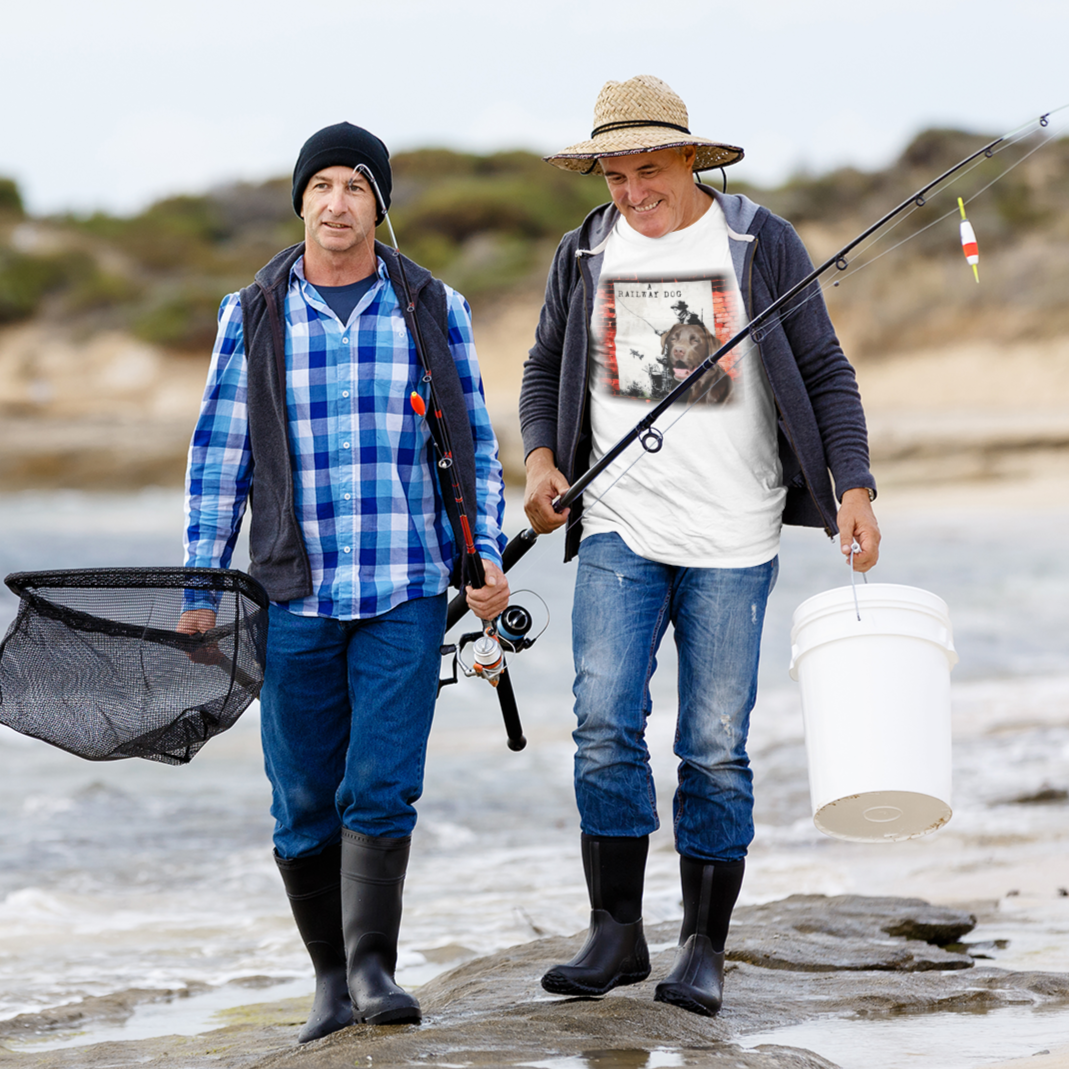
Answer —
276 548
821 422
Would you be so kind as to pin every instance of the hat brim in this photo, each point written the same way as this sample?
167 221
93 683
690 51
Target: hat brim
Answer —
711 154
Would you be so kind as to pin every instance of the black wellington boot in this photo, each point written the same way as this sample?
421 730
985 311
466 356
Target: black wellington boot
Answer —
372 882
313 885
696 982
615 951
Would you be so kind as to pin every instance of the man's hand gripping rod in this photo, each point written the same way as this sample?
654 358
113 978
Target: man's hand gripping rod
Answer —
488 659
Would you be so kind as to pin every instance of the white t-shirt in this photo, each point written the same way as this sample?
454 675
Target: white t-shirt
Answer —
713 496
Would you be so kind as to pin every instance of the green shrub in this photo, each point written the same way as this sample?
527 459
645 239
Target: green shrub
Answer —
25 280
175 233
185 320
10 198
100 289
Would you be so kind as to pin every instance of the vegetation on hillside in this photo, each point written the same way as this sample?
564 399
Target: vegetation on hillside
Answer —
487 224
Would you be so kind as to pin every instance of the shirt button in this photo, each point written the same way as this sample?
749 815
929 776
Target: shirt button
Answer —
345 393
348 496
348 550
345 341
345 445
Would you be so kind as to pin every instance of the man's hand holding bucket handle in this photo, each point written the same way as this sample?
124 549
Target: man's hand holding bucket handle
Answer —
857 523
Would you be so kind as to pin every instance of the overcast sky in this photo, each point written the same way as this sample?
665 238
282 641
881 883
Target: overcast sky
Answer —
115 103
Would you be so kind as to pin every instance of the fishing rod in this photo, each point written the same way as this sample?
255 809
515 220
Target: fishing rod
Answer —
489 659
652 439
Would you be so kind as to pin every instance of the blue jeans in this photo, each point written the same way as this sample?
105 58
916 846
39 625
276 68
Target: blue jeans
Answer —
623 605
345 711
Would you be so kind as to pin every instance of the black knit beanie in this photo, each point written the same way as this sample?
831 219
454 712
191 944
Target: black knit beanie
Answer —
343 145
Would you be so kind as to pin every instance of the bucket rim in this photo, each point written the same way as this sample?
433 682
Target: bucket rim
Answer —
873 594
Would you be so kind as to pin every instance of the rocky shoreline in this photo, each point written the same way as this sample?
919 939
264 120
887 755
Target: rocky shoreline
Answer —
803 958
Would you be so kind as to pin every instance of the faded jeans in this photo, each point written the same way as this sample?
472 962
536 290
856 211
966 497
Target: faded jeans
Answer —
623 605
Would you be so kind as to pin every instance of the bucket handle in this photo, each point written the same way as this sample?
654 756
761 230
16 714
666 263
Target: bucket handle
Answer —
855 548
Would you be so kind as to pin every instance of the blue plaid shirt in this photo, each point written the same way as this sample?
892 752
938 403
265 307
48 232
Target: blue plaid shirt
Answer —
366 493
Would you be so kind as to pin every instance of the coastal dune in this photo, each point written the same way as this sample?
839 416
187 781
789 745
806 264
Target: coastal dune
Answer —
111 412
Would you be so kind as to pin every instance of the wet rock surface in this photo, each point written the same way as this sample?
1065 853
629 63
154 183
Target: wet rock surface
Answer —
896 934
803 957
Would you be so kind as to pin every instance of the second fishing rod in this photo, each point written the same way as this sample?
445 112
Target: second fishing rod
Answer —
488 661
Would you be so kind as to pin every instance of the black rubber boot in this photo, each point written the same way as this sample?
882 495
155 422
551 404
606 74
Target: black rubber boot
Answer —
372 882
313 885
615 951
696 982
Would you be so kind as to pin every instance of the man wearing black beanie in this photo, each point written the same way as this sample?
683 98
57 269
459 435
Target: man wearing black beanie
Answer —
351 146
313 416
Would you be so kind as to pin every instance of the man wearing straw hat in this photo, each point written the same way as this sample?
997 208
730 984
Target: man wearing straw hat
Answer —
689 534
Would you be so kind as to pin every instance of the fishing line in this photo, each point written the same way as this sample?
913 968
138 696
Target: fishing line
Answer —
1007 141
884 233
489 659
942 218
438 431
1010 139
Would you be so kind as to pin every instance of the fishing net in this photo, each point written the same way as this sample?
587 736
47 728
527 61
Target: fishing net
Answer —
93 664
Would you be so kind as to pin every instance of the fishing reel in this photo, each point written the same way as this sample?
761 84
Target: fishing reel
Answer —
510 633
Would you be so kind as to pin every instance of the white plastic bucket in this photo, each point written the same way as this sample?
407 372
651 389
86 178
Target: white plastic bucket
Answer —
876 705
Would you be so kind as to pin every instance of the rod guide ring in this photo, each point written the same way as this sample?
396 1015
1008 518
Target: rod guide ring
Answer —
651 439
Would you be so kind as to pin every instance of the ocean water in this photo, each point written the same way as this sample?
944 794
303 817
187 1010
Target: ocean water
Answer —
130 875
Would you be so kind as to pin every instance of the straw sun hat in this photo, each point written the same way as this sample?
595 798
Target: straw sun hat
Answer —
642 114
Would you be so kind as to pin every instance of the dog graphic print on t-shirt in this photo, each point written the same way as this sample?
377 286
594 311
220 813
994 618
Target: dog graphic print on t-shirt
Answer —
651 333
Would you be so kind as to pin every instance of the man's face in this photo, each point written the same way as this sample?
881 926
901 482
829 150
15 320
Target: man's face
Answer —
654 191
339 210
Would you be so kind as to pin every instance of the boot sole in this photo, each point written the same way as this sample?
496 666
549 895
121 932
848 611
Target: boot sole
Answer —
400 1015
683 1001
556 984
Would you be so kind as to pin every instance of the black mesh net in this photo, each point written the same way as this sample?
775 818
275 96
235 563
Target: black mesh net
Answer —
93 664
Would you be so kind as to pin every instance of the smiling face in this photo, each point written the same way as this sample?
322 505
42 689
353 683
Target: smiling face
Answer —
339 213
655 191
